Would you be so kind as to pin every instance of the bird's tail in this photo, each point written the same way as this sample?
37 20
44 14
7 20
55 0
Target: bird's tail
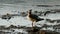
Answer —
40 19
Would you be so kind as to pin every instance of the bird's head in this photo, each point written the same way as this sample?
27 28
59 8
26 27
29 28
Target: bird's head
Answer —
29 12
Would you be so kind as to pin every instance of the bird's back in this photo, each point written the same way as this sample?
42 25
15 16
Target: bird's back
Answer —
35 18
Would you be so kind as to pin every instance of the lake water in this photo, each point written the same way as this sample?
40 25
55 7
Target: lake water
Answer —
23 7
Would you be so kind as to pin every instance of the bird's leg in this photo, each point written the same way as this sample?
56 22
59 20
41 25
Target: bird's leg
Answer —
35 23
32 24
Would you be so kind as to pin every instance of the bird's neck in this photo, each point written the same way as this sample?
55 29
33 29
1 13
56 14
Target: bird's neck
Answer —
29 14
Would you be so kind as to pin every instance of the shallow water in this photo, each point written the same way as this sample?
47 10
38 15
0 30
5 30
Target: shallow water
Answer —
13 8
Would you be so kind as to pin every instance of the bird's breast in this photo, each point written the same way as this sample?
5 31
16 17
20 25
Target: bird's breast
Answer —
28 18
